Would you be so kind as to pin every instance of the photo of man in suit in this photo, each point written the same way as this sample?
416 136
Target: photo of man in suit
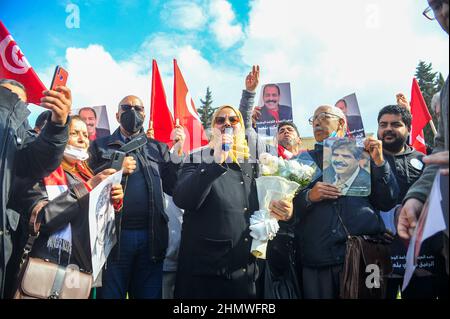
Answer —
272 110
355 126
89 116
344 169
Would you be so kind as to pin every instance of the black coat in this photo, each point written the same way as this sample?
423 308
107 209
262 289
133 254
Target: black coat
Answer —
321 235
214 259
22 154
68 207
157 164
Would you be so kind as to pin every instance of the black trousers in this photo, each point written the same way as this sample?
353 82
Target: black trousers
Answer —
321 282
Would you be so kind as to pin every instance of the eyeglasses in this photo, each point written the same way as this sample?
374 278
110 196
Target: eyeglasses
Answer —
321 116
127 107
221 120
429 12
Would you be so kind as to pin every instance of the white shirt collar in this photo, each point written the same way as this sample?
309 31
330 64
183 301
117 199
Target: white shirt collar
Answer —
349 181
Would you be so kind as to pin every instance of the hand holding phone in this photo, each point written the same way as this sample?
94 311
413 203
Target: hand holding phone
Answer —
59 78
117 160
59 102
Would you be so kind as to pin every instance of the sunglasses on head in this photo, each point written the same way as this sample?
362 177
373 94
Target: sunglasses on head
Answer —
233 120
126 107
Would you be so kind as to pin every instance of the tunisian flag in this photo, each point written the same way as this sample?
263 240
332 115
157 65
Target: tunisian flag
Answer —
420 118
160 114
186 113
14 66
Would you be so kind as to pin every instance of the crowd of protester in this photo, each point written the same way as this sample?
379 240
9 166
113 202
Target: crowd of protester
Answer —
182 220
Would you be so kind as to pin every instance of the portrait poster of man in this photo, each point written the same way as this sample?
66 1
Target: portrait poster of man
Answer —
349 105
96 119
102 222
347 166
276 106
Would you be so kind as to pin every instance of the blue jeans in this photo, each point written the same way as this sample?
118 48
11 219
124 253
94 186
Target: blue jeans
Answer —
131 269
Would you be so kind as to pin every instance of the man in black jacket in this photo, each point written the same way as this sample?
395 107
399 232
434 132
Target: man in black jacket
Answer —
135 263
321 235
394 126
22 154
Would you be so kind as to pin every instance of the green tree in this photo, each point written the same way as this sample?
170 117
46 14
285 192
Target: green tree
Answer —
206 110
430 83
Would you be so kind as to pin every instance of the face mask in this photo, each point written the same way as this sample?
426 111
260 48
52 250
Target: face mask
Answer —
131 121
76 153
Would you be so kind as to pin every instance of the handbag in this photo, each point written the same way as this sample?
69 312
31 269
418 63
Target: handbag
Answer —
358 281
42 279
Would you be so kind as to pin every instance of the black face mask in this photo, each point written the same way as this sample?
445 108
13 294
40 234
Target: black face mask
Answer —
131 121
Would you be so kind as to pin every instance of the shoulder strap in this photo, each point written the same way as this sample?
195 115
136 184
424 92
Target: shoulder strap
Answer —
342 222
34 224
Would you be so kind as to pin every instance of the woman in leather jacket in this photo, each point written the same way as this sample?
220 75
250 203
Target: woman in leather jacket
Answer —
58 205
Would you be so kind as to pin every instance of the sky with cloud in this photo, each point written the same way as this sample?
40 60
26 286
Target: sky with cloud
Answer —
325 49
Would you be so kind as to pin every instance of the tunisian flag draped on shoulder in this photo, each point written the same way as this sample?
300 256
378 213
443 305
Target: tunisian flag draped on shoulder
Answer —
160 115
185 111
420 118
14 66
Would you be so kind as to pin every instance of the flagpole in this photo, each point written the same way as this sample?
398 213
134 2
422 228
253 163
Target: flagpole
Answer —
433 128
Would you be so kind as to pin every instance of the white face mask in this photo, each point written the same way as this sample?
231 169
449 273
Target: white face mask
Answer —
76 153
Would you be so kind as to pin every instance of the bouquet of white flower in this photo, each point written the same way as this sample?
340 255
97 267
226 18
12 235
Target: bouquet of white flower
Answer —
281 180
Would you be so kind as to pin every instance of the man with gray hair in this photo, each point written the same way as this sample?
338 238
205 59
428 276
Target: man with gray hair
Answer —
319 231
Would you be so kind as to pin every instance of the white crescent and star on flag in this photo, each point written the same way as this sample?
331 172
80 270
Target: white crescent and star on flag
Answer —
17 63
190 106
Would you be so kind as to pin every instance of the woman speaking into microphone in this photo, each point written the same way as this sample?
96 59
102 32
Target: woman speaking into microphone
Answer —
217 189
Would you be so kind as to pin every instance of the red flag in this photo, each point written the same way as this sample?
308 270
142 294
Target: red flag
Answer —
14 66
419 143
420 118
185 111
160 114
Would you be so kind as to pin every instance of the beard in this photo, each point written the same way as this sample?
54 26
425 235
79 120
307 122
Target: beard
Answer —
287 143
396 145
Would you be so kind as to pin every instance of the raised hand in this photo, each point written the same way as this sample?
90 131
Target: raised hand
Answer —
375 149
252 79
59 102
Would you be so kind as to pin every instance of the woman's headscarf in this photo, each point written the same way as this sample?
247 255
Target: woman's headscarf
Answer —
240 150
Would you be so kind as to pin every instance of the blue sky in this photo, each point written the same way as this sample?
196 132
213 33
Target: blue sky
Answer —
326 49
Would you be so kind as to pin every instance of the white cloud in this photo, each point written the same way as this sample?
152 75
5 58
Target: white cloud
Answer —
329 49
95 78
184 15
223 25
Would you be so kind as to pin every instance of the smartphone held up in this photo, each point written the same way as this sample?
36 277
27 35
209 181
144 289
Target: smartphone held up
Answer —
59 78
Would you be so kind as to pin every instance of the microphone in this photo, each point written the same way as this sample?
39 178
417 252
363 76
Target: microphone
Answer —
226 146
